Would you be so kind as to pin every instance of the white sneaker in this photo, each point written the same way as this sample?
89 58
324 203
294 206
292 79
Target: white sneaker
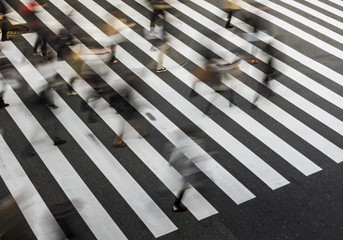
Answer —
163 69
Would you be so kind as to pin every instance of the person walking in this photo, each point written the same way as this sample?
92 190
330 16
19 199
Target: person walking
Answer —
184 165
230 6
270 73
2 102
4 23
158 30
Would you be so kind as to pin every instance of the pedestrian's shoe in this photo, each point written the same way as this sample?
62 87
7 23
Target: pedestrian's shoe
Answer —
37 54
59 142
53 106
120 143
179 208
229 26
92 120
72 93
3 105
152 117
162 69
253 61
193 93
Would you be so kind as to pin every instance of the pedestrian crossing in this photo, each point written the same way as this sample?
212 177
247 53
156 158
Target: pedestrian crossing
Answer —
291 127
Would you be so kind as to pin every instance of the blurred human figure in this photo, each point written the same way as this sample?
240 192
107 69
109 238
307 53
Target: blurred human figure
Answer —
258 26
158 29
4 23
63 212
8 74
269 73
62 42
2 91
116 19
230 6
30 10
2 103
12 223
158 7
121 101
48 70
184 165
92 71
212 74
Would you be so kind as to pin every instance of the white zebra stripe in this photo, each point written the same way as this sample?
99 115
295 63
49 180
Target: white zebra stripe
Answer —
91 210
152 216
35 211
292 156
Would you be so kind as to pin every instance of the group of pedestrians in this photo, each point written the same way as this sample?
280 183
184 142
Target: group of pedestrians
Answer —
211 74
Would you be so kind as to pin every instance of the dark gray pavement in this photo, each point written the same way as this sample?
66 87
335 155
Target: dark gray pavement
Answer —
309 207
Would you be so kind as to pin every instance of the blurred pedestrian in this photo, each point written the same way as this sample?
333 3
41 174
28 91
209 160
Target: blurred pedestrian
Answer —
2 103
2 91
30 9
212 75
184 165
92 71
258 26
230 7
12 223
8 75
269 73
63 213
158 31
113 29
4 23
121 101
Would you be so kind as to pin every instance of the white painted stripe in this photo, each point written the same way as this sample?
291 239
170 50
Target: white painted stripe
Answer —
292 156
338 2
35 211
227 141
297 17
13 16
315 13
91 210
313 110
152 216
196 204
294 30
305 81
217 173
326 7
306 133
234 189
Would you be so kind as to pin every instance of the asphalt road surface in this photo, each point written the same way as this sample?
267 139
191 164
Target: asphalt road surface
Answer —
270 164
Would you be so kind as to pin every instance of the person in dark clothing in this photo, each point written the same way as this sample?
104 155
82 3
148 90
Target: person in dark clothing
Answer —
63 213
42 43
4 24
29 10
230 6
2 103
158 10
184 165
120 101
270 73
